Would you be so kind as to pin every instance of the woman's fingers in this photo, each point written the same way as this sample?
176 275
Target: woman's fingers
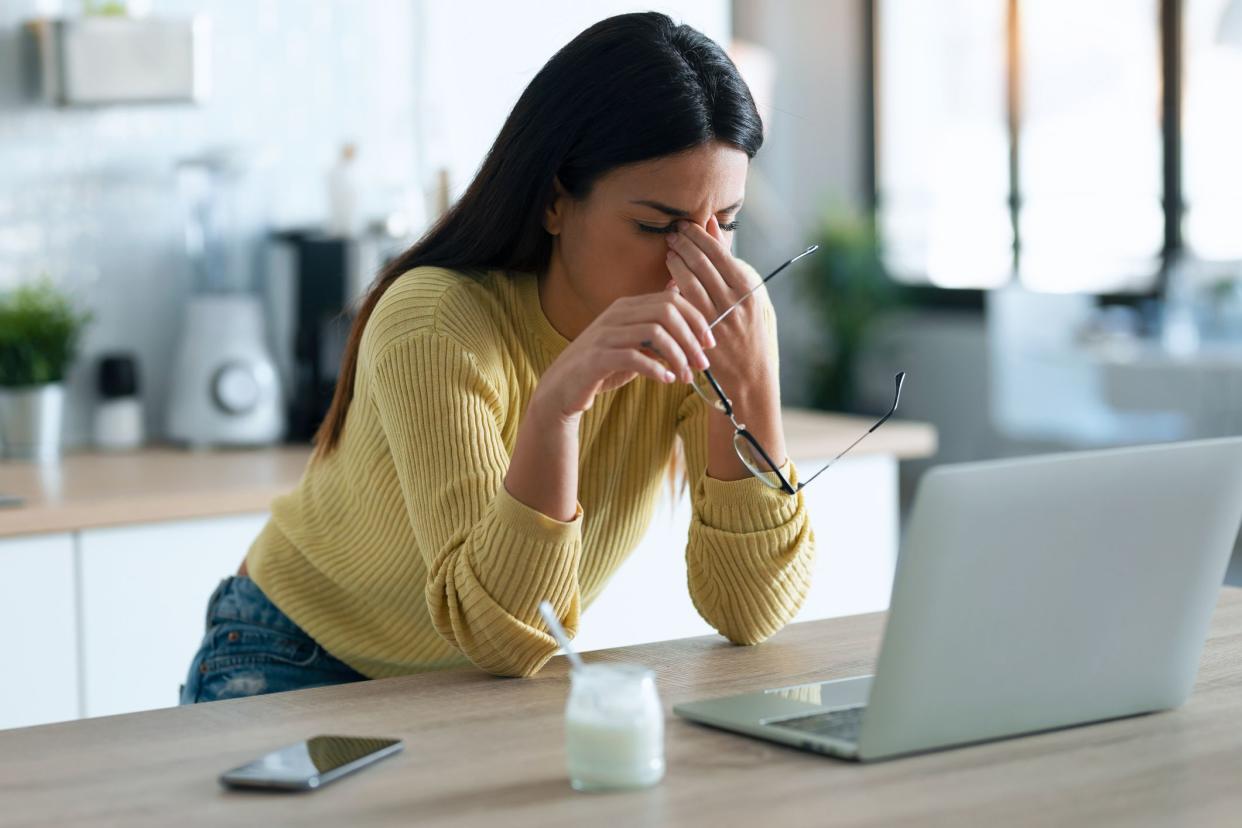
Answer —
629 360
690 286
653 338
699 324
704 271
715 251
681 319
656 335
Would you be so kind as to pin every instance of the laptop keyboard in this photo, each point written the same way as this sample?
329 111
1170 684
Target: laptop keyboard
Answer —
843 724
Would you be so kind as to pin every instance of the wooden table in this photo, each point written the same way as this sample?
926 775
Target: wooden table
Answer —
486 751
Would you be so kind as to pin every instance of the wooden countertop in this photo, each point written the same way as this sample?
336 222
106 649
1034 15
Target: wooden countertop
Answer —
487 751
86 491
90 490
819 434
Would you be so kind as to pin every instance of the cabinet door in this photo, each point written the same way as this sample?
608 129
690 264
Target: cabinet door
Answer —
144 597
38 622
854 512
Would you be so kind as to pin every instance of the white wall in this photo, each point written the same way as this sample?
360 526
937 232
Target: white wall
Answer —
475 58
89 196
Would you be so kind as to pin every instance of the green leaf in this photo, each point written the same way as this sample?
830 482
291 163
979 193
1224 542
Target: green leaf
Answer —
40 328
847 288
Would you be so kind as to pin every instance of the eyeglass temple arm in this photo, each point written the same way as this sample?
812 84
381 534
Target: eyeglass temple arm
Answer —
762 282
898 381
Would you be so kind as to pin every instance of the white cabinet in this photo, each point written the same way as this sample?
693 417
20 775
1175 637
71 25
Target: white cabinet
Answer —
106 621
38 626
853 510
144 594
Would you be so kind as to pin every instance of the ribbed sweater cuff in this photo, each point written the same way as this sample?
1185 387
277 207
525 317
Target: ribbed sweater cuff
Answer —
522 518
742 506
531 557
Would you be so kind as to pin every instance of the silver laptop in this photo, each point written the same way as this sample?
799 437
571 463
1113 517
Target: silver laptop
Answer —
1030 594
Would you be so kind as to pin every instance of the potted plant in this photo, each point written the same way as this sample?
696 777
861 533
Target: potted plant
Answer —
39 332
848 289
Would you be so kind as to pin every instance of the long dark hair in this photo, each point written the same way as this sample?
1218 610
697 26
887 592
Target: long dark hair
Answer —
630 88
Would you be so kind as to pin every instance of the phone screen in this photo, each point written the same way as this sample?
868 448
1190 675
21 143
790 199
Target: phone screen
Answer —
312 763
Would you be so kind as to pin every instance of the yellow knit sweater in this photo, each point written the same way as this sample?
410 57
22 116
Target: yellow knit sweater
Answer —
402 551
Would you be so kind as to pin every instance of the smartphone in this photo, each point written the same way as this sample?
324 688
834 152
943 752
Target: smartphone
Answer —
310 764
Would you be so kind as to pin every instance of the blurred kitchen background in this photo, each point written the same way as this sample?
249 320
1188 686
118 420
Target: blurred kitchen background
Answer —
1055 187
1034 207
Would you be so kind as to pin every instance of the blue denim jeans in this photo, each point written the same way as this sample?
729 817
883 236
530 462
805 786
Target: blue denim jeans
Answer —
252 648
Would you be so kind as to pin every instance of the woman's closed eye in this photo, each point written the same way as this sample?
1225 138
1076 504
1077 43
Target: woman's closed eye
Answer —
669 228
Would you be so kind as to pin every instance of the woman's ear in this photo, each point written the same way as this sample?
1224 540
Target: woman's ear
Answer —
554 215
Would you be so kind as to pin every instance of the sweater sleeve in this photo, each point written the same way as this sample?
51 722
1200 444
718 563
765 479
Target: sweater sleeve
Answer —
490 559
751 551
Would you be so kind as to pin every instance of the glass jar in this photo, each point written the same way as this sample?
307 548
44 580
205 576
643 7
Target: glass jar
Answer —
614 728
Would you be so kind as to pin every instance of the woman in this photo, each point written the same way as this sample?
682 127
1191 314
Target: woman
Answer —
512 392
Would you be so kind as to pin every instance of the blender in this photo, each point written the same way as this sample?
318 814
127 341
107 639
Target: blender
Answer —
225 389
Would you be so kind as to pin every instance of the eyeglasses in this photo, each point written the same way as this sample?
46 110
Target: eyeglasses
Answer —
752 454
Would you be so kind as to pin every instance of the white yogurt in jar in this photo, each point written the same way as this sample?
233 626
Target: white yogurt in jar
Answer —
614 728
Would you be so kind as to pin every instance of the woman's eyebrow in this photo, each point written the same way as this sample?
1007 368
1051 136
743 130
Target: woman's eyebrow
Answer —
676 212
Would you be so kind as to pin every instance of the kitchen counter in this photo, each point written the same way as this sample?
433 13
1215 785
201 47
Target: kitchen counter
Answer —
90 490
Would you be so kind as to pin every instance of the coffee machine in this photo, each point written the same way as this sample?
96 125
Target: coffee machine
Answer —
314 282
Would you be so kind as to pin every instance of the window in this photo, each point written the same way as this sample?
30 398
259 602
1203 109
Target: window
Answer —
1212 128
1089 154
1043 140
941 143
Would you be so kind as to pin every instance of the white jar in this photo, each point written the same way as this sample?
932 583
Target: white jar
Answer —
118 424
614 728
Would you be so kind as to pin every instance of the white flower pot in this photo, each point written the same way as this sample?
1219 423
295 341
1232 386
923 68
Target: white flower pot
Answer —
30 422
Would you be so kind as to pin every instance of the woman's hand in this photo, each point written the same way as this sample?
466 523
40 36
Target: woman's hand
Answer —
657 335
706 274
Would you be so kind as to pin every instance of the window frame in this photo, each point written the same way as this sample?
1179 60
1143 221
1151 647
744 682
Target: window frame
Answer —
1172 199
